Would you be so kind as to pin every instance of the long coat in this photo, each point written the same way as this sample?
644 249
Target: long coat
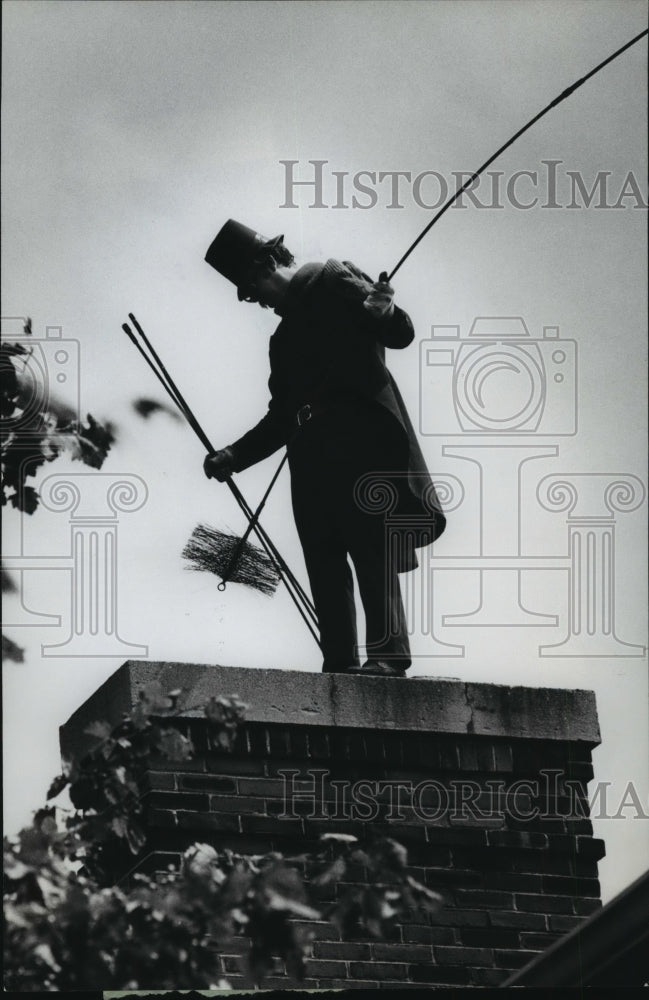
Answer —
327 347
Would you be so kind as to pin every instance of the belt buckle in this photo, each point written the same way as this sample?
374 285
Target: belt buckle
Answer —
304 414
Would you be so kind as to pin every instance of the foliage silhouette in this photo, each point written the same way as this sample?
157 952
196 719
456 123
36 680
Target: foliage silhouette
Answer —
68 927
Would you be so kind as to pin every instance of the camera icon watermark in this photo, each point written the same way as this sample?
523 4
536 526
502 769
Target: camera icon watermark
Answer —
497 380
40 416
47 377
501 396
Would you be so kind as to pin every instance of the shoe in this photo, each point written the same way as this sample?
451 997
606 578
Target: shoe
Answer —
378 668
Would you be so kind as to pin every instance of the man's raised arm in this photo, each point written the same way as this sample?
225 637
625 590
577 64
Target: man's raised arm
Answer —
372 302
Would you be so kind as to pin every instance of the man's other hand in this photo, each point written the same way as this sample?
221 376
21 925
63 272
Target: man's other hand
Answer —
219 465
380 301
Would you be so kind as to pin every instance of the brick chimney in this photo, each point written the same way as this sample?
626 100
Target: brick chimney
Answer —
485 786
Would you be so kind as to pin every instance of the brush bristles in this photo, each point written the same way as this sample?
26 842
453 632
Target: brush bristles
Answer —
212 551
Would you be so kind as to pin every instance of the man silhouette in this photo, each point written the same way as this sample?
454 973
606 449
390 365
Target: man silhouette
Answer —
337 409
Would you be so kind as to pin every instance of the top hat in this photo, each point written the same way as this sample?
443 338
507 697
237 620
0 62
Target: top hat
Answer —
234 251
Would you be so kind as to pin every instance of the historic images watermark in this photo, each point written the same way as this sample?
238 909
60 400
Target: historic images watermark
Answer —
552 187
93 502
496 399
315 794
504 394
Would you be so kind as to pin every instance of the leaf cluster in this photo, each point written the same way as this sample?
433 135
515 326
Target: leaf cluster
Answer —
381 890
69 927
36 429
105 786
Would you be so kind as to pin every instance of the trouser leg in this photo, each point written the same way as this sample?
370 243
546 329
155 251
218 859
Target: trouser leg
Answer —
332 589
378 582
326 461
317 517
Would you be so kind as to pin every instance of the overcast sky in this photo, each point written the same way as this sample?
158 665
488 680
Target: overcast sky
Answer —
132 131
